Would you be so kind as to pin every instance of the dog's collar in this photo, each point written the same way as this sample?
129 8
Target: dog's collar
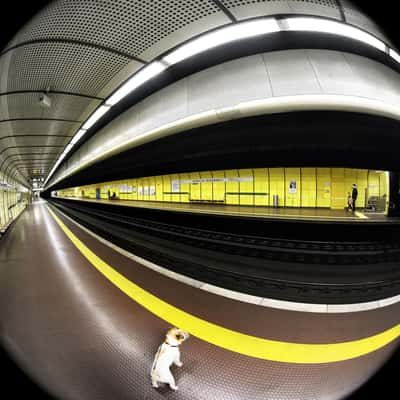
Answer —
171 344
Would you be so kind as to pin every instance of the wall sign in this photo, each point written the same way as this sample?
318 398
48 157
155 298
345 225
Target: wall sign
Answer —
292 187
175 186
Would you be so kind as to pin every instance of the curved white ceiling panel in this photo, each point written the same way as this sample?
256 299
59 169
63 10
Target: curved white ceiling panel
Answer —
83 53
281 81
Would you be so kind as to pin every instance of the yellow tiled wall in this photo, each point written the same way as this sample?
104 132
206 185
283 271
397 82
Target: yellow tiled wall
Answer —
308 187
295 187
261 186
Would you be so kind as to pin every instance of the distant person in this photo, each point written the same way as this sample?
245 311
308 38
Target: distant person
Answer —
349 201
354 194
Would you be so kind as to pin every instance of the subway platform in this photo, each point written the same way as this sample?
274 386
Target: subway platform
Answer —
84 320
254 212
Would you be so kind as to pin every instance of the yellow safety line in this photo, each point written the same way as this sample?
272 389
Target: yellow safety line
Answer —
226 338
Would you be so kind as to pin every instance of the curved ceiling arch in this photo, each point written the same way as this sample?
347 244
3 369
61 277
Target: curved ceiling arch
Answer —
88 49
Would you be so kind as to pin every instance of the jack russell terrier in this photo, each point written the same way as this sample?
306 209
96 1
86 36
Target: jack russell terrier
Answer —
167 354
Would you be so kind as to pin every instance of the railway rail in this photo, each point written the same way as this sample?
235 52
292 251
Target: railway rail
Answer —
309 271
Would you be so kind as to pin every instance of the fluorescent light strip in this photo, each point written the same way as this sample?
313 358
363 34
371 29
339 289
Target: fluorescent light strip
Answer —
96 116
274 105
54 168
221 36
333 27
394 55
68 148
146 73
78 135
74 140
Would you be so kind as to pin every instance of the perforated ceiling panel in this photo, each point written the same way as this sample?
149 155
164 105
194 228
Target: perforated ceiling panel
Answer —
356 17
26 105
129 26
62 67
239 3
33 140
89 47
23 127
247 8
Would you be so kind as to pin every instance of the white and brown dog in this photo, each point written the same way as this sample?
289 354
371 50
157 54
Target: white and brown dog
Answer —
167 354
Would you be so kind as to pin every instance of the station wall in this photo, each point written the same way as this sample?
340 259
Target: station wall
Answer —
282 187
12 203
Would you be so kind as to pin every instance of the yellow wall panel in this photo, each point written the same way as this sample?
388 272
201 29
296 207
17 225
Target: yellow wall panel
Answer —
277 186
135 184
219 186
324 187
150 185
122 190
125 194
350 177
152 188
146 188
159 189
246 187
195 187
142 183
308 187
292 187
384 188
383 184
185 187
131 193
373 183
232 186
113 189
140 189
175 188
362 186
339 196
315 187
116 189
206 187
261 186
103 191
167 187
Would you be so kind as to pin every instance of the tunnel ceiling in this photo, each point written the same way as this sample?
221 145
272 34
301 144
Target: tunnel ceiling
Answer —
78 53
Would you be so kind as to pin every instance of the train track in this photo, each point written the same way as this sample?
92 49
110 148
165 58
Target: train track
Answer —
190 251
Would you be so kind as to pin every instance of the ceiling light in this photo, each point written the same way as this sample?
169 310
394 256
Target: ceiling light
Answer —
145 74
333 27
68 148
95 116
44 100
394 55
221 36
78 135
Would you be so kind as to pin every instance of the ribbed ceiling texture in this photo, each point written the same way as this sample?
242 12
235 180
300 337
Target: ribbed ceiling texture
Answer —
81 51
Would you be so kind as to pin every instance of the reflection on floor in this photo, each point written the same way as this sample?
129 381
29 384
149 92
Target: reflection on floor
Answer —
85 334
